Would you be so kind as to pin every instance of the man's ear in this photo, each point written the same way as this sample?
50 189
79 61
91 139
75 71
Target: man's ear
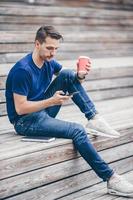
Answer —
37 44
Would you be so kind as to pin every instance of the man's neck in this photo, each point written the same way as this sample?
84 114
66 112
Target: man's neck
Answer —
36 59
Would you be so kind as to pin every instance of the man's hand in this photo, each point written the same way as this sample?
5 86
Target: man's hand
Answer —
24 106
59 98
88 67
82 75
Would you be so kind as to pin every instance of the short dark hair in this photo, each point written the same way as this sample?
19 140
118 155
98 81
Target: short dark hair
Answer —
47 31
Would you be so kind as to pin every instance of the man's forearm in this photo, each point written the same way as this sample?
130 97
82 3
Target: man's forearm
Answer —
34 106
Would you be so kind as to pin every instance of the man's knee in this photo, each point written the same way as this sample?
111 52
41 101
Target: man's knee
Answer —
68 73
79 134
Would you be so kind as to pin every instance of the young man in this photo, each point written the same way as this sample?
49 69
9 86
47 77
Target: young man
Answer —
33 101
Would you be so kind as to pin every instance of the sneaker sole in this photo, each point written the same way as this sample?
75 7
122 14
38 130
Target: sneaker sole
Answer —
114 192
97 133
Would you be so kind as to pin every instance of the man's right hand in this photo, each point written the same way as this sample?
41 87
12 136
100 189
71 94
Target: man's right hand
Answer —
59 98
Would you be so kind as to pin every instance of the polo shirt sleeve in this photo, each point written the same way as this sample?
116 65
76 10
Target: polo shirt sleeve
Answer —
57 66
21 82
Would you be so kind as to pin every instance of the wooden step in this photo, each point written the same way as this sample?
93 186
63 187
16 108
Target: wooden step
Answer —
97 86
66 47
124 5
66 28
101 68
14 57
61 23
95 95
25 10
120 106
46 179
97 191
87 36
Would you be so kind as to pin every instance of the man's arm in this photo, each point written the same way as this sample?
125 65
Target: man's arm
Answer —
23 106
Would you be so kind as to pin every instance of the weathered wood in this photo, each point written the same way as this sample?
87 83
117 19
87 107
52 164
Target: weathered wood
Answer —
96 191
101 67
14 57
102 106
50 174
57 11
88 36
93 85
105 19
125 4
69 185
39 155
65 47
2 82
115 120
35 168
95 95
2 96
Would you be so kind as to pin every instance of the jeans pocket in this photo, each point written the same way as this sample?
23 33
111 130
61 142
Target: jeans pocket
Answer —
24 125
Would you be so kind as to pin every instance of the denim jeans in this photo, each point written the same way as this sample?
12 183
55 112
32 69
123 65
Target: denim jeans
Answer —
44 123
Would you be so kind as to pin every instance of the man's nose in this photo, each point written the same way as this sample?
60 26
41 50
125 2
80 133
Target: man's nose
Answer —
53 52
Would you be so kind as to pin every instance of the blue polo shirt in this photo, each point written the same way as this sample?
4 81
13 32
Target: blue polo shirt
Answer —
25 78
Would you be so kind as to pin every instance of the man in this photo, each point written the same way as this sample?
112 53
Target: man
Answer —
33 101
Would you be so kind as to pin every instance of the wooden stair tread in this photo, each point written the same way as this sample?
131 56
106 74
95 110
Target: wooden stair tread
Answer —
117 105
97 191
97 64
56 10
79 180
86 36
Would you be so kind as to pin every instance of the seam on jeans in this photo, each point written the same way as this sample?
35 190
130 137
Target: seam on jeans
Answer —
83 100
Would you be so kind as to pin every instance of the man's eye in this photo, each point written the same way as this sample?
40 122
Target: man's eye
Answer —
49 48
52 49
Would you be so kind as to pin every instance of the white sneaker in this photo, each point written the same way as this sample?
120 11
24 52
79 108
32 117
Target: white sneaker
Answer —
99 127
120 187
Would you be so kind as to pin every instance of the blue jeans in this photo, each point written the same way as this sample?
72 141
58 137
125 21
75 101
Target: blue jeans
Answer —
44 123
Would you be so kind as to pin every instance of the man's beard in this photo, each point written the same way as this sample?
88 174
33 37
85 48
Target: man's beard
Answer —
48 58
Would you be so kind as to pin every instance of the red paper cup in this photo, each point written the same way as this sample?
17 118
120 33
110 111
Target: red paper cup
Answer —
81 66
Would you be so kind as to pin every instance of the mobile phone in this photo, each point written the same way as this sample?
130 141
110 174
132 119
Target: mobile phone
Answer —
70 94
73 93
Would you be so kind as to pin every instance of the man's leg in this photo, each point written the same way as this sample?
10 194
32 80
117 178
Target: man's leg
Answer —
68 82
41 124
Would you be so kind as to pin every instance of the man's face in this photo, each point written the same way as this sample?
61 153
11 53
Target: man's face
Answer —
47 50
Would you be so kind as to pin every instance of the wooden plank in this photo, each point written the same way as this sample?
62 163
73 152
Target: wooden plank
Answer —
69 112
2 96
38 156
14 142
101 67
57 11
65 47
87 36
95 95
2 82
61 170
95 26
96 191
116 119
109 94
68 185
93 85
65 28
61 22
117 105
14 57
109 4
